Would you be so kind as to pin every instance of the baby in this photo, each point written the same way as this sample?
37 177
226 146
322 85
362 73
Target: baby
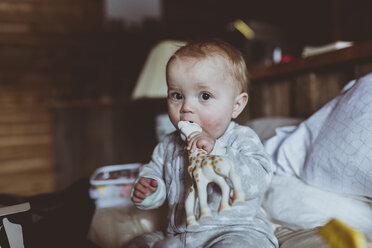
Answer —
207 85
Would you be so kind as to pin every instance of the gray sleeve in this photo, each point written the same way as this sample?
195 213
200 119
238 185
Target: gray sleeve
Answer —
154 170
251 162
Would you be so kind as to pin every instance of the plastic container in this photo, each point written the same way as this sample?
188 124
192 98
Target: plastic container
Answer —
111 185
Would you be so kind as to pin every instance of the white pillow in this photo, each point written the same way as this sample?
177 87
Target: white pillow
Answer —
340 157
297 205
333 148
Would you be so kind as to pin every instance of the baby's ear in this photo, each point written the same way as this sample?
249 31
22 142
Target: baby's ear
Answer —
239 104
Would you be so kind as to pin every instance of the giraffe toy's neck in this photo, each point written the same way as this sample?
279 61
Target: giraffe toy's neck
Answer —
200 158
195 158
197 154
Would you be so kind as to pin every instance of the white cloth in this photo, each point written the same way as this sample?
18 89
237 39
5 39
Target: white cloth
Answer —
294 204
333 148
169 166
332 152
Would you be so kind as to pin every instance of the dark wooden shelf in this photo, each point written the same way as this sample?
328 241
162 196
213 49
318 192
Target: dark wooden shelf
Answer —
359 52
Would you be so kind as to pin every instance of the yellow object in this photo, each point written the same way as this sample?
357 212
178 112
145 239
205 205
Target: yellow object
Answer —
101 190
243 28
338 235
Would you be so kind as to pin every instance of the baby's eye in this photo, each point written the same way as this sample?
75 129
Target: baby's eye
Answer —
176 96
205 96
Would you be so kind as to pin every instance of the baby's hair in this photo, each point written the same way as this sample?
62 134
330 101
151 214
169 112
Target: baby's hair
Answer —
216 47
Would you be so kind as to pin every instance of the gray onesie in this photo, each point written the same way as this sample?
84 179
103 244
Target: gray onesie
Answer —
244 226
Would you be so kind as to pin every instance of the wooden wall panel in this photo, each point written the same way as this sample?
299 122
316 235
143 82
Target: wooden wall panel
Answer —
300 94
25 141
313 90
19 129
24 151
50 16
270 99
42 45
362 69
29 183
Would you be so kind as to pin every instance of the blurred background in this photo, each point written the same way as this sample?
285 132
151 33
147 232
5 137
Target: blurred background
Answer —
68 69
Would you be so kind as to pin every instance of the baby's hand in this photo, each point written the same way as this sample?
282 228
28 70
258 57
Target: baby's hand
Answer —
143 188
200 140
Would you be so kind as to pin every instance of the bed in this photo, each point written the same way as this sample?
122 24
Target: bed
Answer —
325 164
323 172
323 157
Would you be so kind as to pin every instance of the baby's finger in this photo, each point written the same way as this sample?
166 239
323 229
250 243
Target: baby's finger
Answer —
139 195
148 184
193 135
154 183
191 145
145 181
192 138
141 188
205 144
136 199
194 144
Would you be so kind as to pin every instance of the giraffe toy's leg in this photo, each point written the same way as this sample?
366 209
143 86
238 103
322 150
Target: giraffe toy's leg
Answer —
239 195
205 211
191 223
225 189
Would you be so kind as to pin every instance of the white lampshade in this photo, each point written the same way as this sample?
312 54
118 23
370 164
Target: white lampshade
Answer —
151 82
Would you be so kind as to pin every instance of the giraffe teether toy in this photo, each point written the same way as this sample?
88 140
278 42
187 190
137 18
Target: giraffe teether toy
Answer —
204 169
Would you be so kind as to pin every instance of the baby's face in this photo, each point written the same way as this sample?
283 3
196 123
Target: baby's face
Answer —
201 91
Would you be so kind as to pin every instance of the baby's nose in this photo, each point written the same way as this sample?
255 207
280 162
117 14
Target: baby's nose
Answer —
186 107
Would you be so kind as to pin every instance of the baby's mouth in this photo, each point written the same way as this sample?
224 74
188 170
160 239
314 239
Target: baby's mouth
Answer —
190 121
187 120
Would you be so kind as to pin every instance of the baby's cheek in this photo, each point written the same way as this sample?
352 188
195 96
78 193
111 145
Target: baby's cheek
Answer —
215 126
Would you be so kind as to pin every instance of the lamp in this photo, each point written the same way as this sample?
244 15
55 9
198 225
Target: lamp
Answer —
151 81
152 84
